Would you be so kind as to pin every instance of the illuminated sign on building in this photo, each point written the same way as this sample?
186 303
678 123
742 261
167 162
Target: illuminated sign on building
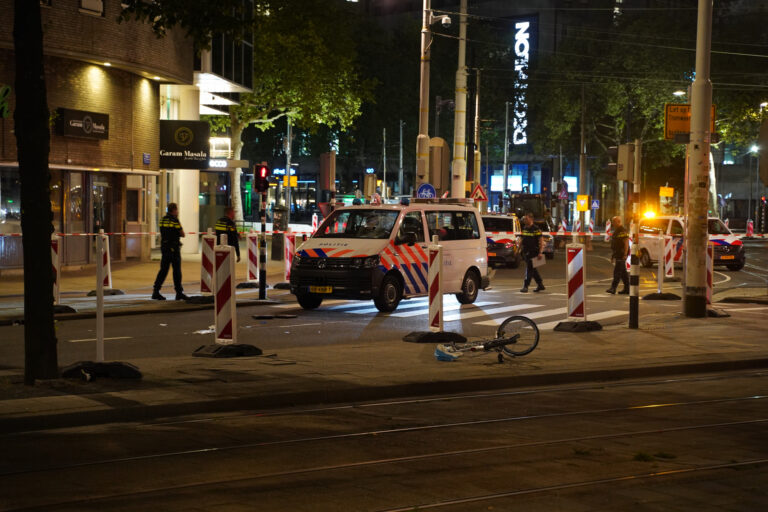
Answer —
217 164
525 37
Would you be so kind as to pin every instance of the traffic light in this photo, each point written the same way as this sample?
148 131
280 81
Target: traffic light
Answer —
261 178
624 158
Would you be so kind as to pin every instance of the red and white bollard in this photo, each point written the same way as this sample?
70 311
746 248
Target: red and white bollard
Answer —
253 257
206 263
563 229
105 261
710 270
577 227
591 227
629 258
314 223
750 228
56 247
290 251
669 256
726 224
607 231
434 279
224 298
576 277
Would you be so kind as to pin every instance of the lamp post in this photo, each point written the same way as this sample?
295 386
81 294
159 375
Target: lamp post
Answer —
754 151
422 139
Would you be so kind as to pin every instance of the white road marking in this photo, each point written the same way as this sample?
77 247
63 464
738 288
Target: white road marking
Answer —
105 339
489 312
595 316
532 316
451 307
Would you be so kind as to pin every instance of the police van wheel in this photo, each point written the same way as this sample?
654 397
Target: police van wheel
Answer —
469 288
309 300
390 295
645 259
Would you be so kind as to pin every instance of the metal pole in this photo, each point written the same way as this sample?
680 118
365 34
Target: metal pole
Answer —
263 249
506 150
384 164
634 276
100 297
422 140
582 157
459 170
697 187
288 173
400 170
476 178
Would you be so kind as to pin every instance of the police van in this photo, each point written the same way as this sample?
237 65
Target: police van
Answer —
379 253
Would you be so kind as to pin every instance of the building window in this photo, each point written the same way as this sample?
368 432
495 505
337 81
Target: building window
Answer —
95 7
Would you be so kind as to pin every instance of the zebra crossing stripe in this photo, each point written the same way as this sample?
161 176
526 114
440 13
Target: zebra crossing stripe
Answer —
532 316
592 316
452 307
488 312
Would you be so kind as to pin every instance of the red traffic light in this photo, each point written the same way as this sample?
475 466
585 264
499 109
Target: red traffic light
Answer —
263 172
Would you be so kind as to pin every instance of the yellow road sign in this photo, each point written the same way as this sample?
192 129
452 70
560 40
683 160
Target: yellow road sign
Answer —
677 119
290 181
582 203
666 192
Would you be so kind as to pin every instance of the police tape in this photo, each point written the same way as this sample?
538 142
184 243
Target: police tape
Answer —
153 233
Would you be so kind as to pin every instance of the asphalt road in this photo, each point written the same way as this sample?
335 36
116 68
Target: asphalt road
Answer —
340 321
693 443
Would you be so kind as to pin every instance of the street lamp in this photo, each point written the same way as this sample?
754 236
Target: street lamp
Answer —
422 140
754 149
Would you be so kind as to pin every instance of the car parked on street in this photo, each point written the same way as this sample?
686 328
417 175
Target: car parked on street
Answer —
729 250
503 235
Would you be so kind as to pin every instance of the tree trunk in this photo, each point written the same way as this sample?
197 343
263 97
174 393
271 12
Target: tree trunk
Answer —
236 127
33 143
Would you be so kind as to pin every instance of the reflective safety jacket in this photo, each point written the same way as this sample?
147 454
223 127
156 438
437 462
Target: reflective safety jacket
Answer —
170 231
531 240
226 226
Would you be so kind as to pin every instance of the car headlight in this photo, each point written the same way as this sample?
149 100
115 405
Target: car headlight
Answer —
371 262
509 245
296 260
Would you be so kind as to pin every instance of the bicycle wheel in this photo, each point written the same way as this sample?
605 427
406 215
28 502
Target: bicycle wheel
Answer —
524 332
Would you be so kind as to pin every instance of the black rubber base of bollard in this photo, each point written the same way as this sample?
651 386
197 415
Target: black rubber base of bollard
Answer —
200 299
282 286
61 308
717 313
434 337
234 350
248 284
586 326
107 291
661 296
90 370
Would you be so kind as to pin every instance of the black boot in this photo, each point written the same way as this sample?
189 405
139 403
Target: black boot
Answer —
181 296
156 295
539 288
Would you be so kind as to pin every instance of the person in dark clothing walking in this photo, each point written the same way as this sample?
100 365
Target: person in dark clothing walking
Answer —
619 253
532 245
170 248
226 226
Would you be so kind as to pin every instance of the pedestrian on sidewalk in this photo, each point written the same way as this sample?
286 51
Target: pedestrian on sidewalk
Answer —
226 226
170 249
619 253
533 243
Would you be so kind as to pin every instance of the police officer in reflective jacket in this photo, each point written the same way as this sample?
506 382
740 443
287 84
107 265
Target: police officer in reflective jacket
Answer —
532 244
619 253
170 248
226 226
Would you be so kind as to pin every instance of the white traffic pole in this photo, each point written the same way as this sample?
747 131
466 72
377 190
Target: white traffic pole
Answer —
224 298
669 256
435 286
662 264
100 298
576 280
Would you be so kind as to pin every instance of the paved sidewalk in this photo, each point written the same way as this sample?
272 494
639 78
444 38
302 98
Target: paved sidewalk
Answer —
666 344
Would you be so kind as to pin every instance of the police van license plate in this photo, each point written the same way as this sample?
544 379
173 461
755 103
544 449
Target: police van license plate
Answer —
491 254
729 257
321 289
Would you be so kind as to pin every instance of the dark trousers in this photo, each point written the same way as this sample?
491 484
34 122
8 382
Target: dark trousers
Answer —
620 274
170 256
531 273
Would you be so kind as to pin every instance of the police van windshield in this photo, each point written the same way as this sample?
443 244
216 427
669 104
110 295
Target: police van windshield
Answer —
717 227
358 223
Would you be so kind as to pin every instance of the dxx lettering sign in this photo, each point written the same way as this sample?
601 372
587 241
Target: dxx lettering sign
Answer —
525 39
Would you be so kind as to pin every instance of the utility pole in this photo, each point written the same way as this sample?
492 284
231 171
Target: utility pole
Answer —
697 185
422 140
582 158
288 172
459 170
400 173
634 277
506 150
384 164
476 179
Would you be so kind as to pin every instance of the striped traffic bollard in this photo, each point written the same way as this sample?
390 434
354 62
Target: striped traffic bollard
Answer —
608 231
314 223
290 251
105 262
710 269
576 277
434 277
629 258
56 266
591 227
253 257
563 229
224 298
669 256
726 224
577 227
206 263
750 228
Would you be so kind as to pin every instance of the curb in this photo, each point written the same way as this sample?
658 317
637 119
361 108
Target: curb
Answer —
359 394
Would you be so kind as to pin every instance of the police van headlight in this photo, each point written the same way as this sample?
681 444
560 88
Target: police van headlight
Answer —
371 262
296 260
